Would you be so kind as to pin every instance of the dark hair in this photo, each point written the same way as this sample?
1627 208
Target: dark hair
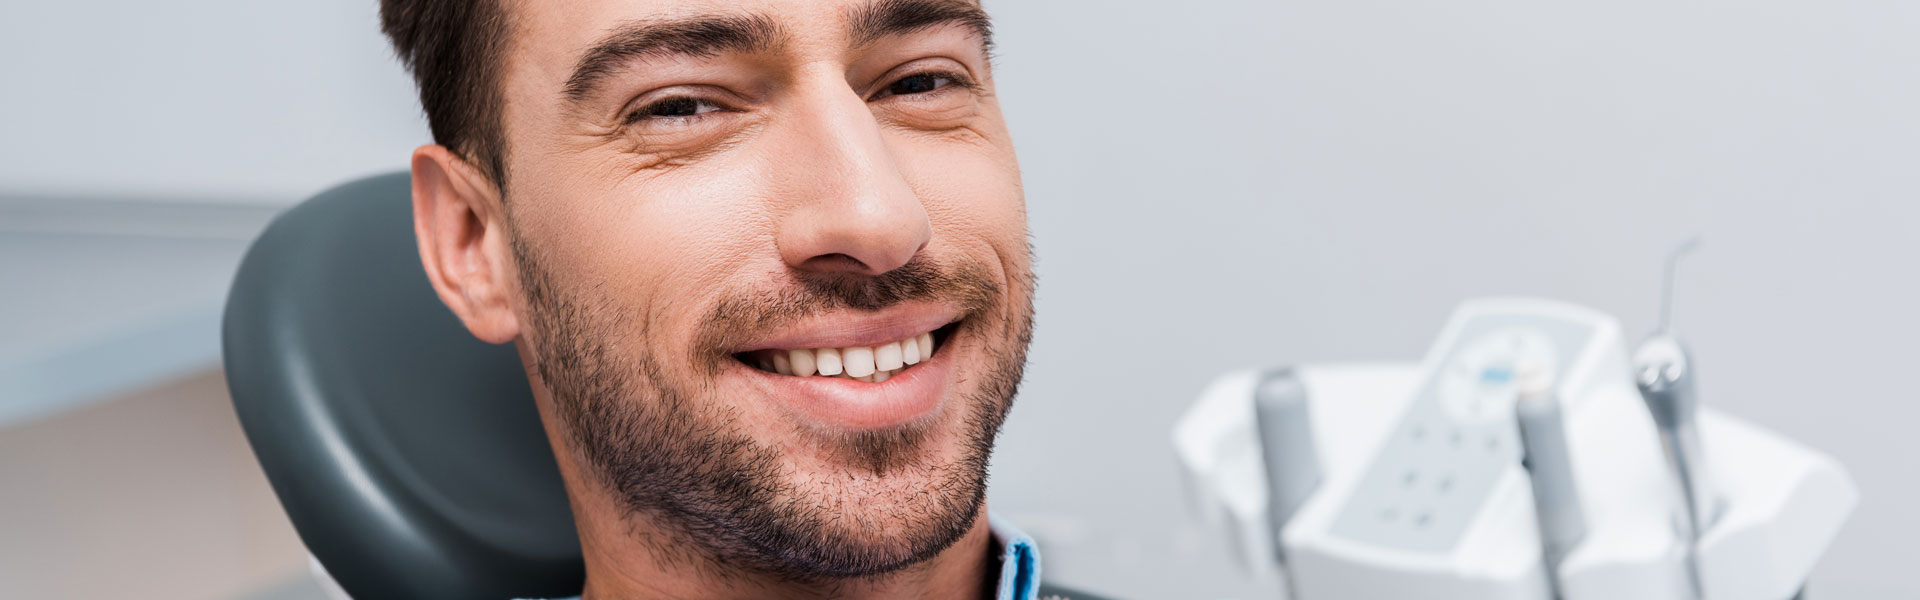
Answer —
455 50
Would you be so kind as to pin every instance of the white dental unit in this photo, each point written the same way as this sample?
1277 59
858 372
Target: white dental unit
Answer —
1528 457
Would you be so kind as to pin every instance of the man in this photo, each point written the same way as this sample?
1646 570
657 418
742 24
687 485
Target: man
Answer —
766 265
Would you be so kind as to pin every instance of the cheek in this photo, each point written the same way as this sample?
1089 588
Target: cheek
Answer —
971 190
656 249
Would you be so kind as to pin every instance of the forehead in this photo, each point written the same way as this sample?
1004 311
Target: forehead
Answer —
562 29
547 21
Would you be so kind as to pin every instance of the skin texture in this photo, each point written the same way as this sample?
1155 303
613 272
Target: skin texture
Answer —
804 186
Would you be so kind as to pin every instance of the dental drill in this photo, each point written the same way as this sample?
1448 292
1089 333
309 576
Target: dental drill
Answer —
1663 371
1549 463
1287 446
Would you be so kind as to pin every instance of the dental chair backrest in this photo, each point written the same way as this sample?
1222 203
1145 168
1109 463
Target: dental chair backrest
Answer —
408 454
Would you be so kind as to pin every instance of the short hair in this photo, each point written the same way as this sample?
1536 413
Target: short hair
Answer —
456 51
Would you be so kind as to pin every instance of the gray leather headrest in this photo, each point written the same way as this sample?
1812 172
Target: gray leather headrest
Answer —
408 454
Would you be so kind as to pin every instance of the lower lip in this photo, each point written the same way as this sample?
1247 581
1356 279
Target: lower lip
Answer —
846 403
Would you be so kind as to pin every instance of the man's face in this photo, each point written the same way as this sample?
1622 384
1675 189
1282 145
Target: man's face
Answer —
702 197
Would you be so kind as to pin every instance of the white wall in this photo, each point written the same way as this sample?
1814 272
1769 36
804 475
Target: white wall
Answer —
221 99
1216 185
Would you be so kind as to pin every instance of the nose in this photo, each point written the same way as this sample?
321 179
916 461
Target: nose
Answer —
851 209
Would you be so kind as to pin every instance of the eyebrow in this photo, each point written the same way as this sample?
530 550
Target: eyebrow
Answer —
699 36
707 36
869 22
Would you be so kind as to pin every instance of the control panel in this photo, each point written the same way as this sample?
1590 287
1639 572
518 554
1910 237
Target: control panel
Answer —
1440 465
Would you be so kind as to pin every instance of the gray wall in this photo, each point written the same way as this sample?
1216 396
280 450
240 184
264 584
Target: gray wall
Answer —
1218 185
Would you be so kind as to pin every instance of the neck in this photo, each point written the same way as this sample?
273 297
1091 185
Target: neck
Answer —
627 559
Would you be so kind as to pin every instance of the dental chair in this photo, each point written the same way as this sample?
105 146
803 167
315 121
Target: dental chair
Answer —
408 454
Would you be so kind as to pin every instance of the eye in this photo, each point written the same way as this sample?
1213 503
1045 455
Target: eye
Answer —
677 107
920 83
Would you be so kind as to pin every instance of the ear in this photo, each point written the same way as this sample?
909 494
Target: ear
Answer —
461 228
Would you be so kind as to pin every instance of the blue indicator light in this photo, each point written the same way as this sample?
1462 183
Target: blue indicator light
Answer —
1496 375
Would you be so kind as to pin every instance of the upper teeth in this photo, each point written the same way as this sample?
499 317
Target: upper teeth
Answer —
864 363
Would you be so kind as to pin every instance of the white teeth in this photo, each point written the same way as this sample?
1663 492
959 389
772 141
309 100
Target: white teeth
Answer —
859 361
802 361
828 360
871 364
887 357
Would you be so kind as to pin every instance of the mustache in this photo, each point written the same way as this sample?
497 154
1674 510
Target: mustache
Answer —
969 286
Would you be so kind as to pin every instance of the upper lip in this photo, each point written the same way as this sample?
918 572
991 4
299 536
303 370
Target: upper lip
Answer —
847 329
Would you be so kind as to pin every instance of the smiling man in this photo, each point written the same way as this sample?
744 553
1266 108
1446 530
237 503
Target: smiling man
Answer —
766 265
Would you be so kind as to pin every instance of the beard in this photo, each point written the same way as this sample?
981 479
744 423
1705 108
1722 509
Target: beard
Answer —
673 449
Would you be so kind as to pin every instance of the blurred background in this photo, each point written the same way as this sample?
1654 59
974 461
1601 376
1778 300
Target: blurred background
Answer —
1212 186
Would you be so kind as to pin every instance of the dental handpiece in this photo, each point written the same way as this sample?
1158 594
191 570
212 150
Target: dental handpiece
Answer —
1549 462
1287 447
1664 374
1663 370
